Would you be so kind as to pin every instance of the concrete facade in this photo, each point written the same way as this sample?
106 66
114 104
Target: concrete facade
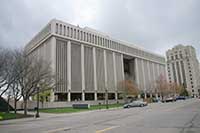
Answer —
91 63
183 68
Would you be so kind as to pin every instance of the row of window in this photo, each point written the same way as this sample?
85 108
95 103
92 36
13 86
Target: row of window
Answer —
78 34
178 55
169 75
175 57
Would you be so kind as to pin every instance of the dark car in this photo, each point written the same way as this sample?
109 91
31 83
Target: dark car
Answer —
180 98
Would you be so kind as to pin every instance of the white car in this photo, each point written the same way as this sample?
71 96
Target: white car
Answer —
135 104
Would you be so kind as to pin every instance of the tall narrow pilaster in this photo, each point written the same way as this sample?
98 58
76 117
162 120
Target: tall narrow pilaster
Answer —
53 63
95 72
122 61
181 74
144 80
137 75
158 70
115 75
69 70
149 77
176 73
82 73
105 69
154 78
137 72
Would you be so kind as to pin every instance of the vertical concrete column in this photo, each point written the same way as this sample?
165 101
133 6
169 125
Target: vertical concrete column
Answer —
176 72
154 78
69 70
158 69
137 75
156 95
53 26
165 71
149 77
137 72
182 81
115 75
53 63
151 95
97 40
82 73
171 72
122 61
159 74
144 80
95 72
186 73
106 78
105 69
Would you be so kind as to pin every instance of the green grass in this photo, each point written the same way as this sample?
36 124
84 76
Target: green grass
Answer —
72 110
7 116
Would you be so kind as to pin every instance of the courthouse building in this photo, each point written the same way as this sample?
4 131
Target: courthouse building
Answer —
183 68
91 63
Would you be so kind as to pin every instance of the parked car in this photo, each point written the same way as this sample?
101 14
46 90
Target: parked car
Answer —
155 100
169 99
135 104
180 98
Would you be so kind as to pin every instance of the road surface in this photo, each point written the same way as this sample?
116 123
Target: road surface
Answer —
176 117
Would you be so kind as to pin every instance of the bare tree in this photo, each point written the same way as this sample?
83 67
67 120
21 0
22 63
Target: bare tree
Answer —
4 70
21 75
7 70
33 73
15 93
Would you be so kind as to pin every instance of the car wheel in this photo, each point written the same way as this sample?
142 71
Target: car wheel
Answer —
142 105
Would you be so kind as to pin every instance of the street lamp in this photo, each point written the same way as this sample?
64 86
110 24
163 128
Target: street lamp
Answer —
37 109
106 96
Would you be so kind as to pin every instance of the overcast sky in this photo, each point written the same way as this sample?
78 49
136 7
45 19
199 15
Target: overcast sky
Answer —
156 25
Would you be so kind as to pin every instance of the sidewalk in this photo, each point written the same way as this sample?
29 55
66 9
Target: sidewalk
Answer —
44 116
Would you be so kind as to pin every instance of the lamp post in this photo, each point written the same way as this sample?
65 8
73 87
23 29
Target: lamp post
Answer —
37 113
106 96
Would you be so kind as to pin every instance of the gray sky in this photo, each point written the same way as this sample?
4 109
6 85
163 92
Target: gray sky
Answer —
156 25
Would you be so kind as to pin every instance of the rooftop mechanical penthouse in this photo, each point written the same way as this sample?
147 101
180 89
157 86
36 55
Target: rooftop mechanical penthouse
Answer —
90 62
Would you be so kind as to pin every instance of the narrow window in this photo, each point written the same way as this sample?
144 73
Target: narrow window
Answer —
64 30
60 29
86 39
81 35
78 35
56 28
67 31
71 32
84 36
95 39
75 33
92 38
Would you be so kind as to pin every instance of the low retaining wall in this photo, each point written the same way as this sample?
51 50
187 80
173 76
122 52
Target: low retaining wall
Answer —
33 104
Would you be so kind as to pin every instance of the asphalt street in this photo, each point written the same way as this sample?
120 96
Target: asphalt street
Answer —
176 117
